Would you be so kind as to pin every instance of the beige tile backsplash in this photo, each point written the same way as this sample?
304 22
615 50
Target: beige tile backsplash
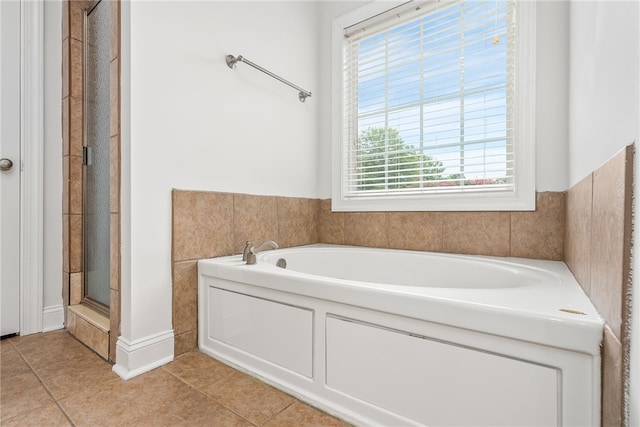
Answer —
420 231
577 242
598 252
366 229
612 384
611 237
483 233
297 221
538 234
209 224
255 218
185 300
202 225
545 227
330 224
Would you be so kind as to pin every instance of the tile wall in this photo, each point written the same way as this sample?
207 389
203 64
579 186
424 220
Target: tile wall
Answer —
210 224
598 252
72 140
589 227
538 234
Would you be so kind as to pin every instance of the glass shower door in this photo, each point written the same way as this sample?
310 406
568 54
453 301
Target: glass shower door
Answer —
96 197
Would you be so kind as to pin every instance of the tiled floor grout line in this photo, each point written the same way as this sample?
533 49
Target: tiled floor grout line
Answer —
206 395
283 409
43 385
218 390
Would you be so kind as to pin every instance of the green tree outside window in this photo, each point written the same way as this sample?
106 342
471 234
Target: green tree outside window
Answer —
385 162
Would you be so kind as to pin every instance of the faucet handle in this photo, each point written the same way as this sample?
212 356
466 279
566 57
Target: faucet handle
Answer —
246 250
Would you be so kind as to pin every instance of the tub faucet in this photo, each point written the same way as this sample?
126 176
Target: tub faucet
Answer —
251 251
245 251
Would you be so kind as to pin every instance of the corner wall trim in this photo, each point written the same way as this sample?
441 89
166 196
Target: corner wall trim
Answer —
142 355
31 147
52 318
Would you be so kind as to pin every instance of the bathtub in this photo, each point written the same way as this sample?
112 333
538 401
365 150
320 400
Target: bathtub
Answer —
392 337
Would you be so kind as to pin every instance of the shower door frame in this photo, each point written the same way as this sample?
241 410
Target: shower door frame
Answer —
105 309
72 190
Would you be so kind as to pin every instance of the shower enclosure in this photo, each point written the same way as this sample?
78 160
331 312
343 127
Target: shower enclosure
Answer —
96 181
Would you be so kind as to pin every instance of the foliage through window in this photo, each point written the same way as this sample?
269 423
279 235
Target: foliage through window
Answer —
428 101
390 163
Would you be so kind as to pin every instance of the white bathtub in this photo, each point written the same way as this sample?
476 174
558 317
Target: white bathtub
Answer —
389 337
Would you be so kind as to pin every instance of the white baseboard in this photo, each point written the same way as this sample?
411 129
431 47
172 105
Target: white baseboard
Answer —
52 318
139 356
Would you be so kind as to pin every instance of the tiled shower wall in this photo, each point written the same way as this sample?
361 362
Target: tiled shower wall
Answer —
72 140
210 224
598 252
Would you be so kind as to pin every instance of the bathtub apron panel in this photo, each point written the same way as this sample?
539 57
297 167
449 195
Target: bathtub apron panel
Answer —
437 383
276 332
410 354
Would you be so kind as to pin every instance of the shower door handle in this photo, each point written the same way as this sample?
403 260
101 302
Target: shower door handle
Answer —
5 164
86 156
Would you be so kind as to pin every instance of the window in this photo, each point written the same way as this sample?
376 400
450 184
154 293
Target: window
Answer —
434 106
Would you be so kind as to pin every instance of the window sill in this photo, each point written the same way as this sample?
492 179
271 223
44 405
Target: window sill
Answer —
438 202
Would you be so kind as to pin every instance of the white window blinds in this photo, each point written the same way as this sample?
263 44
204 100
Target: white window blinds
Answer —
428 96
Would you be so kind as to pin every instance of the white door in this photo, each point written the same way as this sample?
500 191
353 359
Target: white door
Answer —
10 174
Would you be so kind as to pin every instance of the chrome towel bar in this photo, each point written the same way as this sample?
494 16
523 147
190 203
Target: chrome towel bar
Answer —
233 60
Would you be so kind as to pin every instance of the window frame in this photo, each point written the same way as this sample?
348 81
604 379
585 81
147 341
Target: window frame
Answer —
522 198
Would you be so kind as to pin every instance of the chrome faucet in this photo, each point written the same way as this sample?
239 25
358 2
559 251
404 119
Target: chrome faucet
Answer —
249 252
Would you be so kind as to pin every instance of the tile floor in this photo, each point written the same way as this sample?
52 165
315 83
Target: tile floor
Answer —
52 379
